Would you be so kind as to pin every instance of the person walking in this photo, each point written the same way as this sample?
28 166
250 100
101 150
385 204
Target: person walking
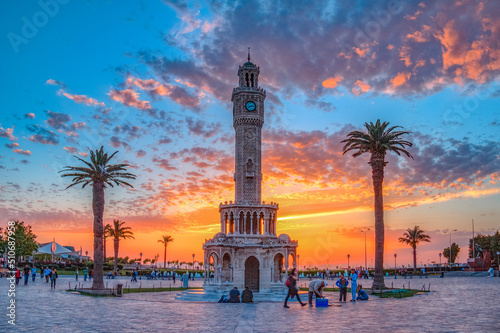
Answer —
354 284
85 273
134 276
76 274
173 276
293 291
33 273
53 278
26 272
342 283
47 274
316 287
18 275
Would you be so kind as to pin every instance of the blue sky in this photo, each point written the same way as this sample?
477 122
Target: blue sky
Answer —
154 79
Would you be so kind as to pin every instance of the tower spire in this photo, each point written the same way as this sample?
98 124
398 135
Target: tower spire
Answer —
249 54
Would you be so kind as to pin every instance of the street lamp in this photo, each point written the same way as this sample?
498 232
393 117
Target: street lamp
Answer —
395 266
298 265
449 258
193 266
366 267
87 257
440 254
348 256
140 261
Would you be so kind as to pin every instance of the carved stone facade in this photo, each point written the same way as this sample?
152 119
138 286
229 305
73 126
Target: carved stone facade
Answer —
247 250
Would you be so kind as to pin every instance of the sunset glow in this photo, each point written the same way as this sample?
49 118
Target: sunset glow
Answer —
157 86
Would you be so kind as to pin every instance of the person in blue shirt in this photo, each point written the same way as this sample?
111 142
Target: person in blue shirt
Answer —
362 295
342 283
354 284
33 273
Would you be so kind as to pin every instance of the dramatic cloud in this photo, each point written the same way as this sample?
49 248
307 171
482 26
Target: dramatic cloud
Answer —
164 164
23 152
12 145
57 120
42 135
176 93
7 133
129 98
56 83
202 128
393 47
81 99
71 150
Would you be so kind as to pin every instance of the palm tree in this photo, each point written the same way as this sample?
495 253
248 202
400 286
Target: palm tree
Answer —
99 174
165 240
377 141
412 237
118 231
107 229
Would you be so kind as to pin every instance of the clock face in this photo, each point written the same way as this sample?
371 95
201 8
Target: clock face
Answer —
250 106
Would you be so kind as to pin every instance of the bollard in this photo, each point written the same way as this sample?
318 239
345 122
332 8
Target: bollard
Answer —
119 290
69 284
429 287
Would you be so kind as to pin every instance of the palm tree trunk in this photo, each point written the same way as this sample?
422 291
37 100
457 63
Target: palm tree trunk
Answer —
414 260
377 162
98 210
104 247
165 257
117 244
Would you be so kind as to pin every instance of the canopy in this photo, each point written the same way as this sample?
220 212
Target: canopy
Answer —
54 248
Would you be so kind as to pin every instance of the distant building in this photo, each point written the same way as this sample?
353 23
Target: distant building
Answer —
247 250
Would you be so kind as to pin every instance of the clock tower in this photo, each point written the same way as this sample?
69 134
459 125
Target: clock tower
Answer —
248 118
248 251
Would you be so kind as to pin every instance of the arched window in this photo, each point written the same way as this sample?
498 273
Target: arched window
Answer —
248 224
241 222
246 79
231 223
251 79
255 224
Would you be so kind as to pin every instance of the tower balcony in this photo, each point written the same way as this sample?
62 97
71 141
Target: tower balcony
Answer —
249 219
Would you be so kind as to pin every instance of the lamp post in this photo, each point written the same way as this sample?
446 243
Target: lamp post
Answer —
193 266
140 261
366 267
348 256
395 267
440 254
86 257
298 265
449 258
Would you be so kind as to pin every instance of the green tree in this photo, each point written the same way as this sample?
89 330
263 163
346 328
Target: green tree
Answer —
412 237
165 240
117 232
455 250
485 243
377 141
23 236
99 174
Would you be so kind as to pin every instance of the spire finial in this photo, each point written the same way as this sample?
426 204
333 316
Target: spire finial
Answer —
249 54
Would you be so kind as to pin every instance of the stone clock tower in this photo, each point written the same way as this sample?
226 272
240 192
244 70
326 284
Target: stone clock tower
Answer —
247 250
248 118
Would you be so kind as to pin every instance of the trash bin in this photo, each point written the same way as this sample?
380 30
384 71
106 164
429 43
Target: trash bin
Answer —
119 290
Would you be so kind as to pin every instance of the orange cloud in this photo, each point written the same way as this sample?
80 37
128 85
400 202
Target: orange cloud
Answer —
23 152
401 78
7 133
129 98
360 87
332 82
417 36
81 98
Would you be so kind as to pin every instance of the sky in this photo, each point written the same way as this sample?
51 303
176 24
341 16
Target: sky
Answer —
153 81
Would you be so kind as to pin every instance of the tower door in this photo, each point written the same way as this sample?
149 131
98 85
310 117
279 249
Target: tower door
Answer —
252 273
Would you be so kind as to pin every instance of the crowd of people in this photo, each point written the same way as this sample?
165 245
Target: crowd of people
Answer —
317 286
50 275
